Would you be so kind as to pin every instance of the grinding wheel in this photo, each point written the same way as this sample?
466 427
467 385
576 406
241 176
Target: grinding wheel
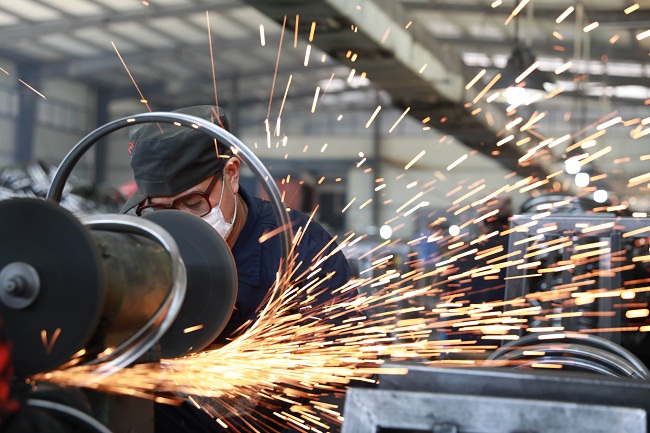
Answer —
211 283
51 284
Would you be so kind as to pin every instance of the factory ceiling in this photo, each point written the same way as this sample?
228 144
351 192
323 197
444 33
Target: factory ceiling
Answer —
424 54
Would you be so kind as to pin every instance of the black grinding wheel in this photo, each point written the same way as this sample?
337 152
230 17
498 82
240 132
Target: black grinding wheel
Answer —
211 283
51 284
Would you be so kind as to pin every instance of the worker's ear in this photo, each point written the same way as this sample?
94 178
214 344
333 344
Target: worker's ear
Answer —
231 171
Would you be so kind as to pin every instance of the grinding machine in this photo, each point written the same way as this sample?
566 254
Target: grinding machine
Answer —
110 290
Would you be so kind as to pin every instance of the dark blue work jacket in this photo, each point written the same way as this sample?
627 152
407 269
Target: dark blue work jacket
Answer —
257 264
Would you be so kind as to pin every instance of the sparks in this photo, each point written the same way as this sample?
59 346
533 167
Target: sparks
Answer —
564 14
32 89
377 110
399 120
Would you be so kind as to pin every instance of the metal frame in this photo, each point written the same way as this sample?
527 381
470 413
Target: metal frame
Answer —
516 285
553 385
370 411
496 400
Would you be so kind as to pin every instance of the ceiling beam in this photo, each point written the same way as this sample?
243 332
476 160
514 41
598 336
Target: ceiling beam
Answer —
594 79
609 17
504 47
88 66
437 92
31 31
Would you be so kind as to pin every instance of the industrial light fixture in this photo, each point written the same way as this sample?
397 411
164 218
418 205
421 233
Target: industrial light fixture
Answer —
521 81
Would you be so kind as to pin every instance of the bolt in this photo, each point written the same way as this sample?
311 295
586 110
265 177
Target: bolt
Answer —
15 286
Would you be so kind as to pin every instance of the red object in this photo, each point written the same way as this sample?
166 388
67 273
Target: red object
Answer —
7 405
127 189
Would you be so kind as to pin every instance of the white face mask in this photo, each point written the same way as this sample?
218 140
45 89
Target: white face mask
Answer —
216 219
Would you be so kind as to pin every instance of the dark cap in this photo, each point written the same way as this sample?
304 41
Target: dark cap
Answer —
168 159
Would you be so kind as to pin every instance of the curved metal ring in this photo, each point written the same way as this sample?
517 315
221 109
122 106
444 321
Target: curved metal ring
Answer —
641 370
581 364
572 351
86 419
135 346
240 149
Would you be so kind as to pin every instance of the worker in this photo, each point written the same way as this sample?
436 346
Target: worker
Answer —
177 167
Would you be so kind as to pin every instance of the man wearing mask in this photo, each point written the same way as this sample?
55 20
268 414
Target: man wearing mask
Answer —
177 167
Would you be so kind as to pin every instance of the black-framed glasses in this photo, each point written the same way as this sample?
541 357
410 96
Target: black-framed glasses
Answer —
197 203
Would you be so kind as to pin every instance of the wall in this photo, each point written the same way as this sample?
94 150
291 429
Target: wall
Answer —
8 108
331 151
65 114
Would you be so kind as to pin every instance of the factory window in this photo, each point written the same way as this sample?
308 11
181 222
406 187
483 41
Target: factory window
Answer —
61 115
8 102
